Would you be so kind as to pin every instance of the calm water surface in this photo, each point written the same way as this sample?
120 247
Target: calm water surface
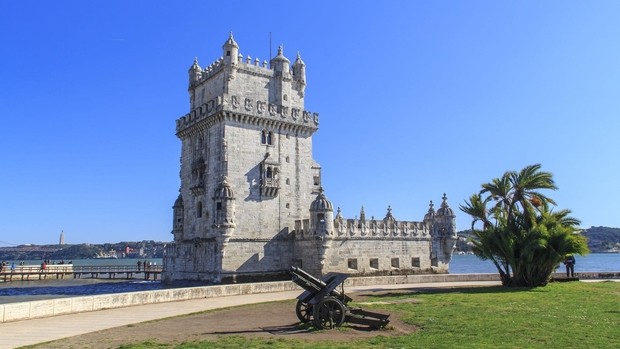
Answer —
19 291
470 264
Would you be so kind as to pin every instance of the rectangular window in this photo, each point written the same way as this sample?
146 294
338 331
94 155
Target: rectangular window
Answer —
317 180
352 263
395 263
218 206
415 262
298 263
374 263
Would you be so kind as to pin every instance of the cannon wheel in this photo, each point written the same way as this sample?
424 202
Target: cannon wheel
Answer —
329 313
303 311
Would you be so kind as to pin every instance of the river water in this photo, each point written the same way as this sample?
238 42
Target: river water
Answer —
470 264
19 291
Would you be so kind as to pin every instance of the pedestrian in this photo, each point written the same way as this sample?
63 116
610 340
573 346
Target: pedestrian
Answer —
13 267
569 262
139 264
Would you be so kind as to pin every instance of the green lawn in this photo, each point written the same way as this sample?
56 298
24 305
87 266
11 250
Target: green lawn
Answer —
560 315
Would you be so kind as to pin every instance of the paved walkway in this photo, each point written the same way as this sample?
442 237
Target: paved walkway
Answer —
29 332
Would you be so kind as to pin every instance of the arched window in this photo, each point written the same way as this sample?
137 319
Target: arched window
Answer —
263 137
270 138
269 174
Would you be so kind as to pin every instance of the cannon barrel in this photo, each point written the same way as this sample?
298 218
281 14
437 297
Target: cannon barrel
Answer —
306 281
313 285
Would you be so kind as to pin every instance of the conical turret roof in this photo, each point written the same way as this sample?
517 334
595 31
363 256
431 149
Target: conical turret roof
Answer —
231 41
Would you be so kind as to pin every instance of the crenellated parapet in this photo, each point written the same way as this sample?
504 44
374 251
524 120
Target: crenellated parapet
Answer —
201 75
260 111
372 229
380 229
198 75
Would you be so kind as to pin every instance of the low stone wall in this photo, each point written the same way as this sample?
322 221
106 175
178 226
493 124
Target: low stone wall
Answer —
59 306
590 275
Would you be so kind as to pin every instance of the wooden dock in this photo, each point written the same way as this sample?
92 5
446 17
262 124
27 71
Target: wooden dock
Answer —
62 271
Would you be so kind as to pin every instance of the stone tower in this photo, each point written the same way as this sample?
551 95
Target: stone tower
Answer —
247 172
251 203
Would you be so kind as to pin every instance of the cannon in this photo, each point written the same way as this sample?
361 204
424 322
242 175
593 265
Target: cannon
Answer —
323 304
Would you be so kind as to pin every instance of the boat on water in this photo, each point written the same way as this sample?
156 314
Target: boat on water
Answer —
110 255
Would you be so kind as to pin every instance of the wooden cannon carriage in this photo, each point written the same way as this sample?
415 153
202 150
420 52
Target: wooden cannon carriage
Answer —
326 306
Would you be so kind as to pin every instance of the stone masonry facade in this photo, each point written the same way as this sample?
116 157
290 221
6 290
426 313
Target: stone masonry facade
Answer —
251 204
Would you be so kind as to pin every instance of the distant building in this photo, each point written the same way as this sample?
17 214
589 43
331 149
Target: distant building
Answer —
61 241
251 203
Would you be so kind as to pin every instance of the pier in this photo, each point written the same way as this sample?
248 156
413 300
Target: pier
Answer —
62 271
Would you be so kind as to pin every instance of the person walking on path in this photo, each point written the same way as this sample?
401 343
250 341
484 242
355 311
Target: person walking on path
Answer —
139 264
569 262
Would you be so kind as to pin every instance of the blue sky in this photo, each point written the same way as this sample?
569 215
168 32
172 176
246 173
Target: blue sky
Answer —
416 98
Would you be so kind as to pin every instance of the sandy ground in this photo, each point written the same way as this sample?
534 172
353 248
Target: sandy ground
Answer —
275 320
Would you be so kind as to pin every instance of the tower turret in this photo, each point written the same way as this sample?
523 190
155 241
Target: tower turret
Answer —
430 215
224 216
195 72
322 225
443 235
178 214
281 91
231 58
224 222
230 51
321 215
299 75
389 217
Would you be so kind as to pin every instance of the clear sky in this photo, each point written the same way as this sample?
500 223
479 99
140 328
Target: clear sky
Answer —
416 98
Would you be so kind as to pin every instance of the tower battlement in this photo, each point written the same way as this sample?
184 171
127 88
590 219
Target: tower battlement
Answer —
247 90
251 110
217 66
370 229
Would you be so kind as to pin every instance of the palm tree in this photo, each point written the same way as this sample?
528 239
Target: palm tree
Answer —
520 234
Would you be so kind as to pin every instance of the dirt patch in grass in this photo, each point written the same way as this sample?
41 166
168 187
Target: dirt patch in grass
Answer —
274 320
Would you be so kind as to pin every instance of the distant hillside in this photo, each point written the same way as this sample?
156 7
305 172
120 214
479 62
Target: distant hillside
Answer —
140 249
603 239
600 239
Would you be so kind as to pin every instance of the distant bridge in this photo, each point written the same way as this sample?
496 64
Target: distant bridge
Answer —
61 271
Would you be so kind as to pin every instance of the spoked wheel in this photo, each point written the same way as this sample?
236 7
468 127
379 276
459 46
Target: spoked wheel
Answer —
303 311
329 313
